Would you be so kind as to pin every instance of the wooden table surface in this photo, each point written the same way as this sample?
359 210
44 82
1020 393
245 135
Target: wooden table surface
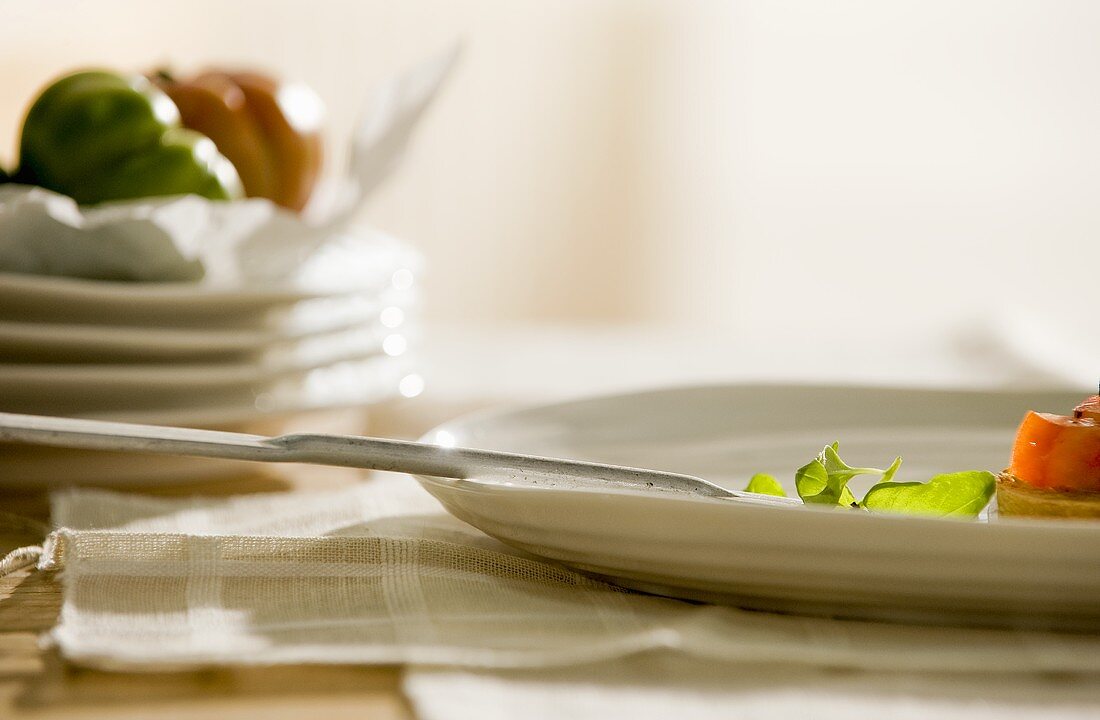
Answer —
37 683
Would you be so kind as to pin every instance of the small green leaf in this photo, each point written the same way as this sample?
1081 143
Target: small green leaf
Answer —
816 486
765 485
825 479
960 493
847 499
889 473
836 467
812 483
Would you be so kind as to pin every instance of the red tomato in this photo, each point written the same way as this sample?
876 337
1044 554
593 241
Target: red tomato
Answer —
1058 452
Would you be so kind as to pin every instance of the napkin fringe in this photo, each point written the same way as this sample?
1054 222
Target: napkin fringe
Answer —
20 558
28 555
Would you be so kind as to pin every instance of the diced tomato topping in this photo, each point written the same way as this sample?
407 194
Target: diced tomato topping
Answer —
1058 452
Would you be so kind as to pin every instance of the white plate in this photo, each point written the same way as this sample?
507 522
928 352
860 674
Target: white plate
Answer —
76 388
28 342
71 300
376 268
346 384
793 559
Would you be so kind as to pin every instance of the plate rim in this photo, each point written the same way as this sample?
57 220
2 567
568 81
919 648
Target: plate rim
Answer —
61 287
495 414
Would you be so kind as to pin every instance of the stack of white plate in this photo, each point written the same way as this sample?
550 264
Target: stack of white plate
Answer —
200 355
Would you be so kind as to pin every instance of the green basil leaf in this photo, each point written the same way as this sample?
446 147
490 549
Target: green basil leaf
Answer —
839 469
847 499
825 479
957 494
816 486
812 483
765 484
888 473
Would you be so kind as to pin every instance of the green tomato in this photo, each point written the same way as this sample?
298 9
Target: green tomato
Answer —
98 136
181 162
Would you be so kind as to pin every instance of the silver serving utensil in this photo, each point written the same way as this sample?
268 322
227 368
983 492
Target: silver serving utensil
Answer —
357 452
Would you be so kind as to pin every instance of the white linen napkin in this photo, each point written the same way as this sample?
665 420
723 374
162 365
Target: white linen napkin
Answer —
379 573
662 685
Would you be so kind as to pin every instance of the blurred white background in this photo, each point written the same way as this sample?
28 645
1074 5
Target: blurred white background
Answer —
855 169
